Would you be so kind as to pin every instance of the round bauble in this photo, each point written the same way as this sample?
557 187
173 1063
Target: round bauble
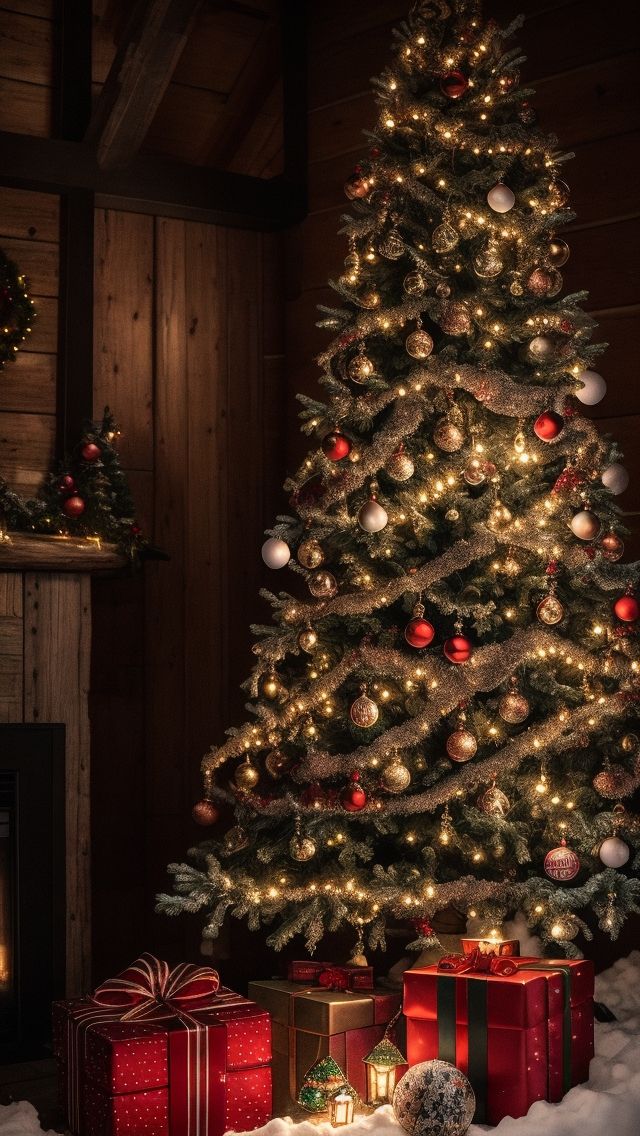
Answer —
360 368
627 609
414 284
356 186
434 1098
364 712
487 263
443 290
419 344
392 245
630 743
369 299
310 554
277 763
494 802
90 452
458 649
399 466
455 319
448 436
544 282
593 388
513 708
235 839
474 473
336 446
585 525
444 238
276 553
454 84
73 507
612 546
270 686
462 745
204 812
395 776
66 484
559 193
372 517
614 782
615 478
550 611
246 775
558 252
322 584
308 640
542 348
561 863
301 848
548 425
353 797
501 199
613 852
419 632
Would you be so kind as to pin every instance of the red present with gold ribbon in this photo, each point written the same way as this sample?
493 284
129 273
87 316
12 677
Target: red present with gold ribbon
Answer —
163 1052
520 1028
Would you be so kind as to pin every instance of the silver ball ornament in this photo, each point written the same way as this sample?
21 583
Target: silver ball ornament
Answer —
501 199
541 347
372 517
593 388
613 852
615 478
585 525
399 466
276 553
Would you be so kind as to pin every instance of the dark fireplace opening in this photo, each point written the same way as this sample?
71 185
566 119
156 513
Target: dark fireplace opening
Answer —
32 891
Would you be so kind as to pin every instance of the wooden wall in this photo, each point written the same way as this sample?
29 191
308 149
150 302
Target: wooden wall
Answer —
27 37
584 68
188 350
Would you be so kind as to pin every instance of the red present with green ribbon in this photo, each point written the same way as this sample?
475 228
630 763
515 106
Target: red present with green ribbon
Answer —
520 1028
163 1052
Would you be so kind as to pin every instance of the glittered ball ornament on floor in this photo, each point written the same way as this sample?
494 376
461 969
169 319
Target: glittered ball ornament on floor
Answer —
353 797
501 199
613 852
372 517
433 1098
458 649
204 812
548 425
336 446
615 478
592 389
73 507
585 525
310 554
561 863
276 553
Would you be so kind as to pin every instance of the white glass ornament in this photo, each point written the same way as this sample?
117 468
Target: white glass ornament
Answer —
501 198
593 389
276 553
372 517
614 852
541 347
585 525
615 478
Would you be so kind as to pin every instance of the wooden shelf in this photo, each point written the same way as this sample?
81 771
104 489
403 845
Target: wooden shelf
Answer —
24 552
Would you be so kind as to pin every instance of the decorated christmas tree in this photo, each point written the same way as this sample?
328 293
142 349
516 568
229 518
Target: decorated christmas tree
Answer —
442 708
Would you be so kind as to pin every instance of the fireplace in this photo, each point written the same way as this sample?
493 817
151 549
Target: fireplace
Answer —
32 886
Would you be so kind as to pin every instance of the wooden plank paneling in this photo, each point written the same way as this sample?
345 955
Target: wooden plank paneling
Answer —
123 367
38 261
26 449
31 216
29 383
26 48
613 279
11 647
58 611
25 109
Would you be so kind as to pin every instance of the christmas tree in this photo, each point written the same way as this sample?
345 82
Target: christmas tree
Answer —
442 709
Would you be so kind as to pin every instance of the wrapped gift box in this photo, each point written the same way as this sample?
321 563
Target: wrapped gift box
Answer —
501 948
201 1068
310 1024
519 1038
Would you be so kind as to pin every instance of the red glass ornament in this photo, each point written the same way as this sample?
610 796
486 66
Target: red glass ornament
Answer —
204 812
548 425
353 797
66 484
561 863
90 452
336 446
419 632
73 507
627 608
454 84
458 649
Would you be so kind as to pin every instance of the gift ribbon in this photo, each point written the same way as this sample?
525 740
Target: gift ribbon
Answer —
149 991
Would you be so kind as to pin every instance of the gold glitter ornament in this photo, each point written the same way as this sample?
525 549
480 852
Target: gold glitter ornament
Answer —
462 745
558 252
455 319
474 473
516 288
395 776
392 245
322 584
487 263
550 611
399 466
494 802
443 290
270 686
360 368
544 282
419 344
444 238
246 775
310 554
414 284
452 515
301 848
630 743
369 299
364 711
235 840
513 706
308 640
277 763
448 436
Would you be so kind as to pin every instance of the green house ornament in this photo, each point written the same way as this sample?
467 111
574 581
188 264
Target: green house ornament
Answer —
382 1065
320 1082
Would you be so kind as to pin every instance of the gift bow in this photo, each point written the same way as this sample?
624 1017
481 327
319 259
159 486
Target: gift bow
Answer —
149 988
334 978
478 963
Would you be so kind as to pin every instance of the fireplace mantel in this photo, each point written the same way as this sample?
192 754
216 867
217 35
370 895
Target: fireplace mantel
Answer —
45 655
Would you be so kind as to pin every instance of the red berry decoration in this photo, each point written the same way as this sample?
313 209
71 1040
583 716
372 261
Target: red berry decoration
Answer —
204 812
353 797
66 484
458 649
454 84
627 608
73 507
548 425
90 452
336 446
419 632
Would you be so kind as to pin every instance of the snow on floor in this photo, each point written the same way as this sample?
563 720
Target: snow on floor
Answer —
608 1105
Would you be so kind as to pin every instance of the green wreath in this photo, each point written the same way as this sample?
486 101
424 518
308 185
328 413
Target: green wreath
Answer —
17 311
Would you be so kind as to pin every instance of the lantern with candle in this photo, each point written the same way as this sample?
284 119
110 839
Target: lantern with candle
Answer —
382 1070
341 1107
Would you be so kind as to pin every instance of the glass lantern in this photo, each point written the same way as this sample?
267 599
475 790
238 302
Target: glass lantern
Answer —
382 1068
341 1108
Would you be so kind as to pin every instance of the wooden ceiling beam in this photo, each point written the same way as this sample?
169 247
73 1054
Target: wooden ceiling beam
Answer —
152 44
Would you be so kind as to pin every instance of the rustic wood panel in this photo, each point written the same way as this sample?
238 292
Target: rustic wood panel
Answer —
58 611
613 278
44 335
123 359
180 105
11 647
25 109
38 261
26 449
26 48
29 383
33 216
